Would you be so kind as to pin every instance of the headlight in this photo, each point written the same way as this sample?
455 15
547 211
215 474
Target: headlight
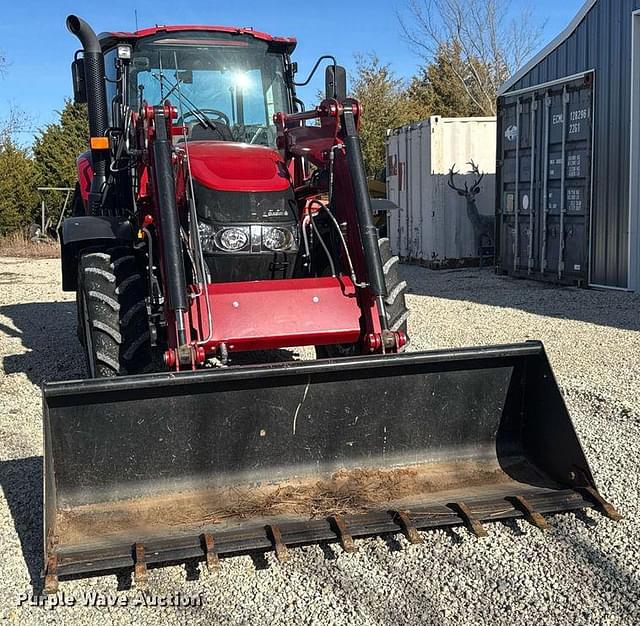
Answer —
232 239
276 238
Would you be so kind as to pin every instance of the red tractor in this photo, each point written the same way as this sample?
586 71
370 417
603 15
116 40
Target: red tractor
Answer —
214 215
232 224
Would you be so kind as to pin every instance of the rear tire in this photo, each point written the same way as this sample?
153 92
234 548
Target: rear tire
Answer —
397 311
112 313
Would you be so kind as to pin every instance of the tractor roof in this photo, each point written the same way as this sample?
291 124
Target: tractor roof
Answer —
108 39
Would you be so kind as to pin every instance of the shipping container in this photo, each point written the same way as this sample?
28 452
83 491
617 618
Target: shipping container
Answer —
432 226
586 85
544 181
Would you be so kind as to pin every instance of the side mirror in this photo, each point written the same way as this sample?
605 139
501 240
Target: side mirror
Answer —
79 84
335 83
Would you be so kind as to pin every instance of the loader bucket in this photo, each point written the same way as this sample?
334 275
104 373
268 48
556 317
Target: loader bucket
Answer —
162 468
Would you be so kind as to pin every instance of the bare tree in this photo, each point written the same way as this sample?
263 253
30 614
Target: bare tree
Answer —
16 121
491 43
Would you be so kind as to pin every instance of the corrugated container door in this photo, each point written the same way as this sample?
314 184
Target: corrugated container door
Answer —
404 193
545 143
394 189
415 175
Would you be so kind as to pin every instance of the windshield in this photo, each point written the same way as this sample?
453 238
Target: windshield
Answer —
225 86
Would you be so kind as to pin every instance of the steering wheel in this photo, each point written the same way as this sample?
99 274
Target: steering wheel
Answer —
208 112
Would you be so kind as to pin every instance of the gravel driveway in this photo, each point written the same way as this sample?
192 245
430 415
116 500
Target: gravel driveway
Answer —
584 571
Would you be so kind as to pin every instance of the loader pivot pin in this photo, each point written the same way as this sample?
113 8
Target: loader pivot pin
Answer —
530 514
211 556
340 528
282 553
470 520
608 509
408 527
140 576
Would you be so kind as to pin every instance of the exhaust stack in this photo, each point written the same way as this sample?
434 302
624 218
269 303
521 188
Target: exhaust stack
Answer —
96 103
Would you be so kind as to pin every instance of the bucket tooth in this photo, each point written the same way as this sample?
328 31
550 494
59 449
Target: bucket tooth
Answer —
408 527
470 520
530 514
282 553
140 575
51 575
340 528
209 546
591 493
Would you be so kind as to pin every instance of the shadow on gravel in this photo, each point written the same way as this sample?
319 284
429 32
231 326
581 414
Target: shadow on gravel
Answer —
21 482
48 332
605 308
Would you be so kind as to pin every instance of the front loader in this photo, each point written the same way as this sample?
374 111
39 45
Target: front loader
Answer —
214 218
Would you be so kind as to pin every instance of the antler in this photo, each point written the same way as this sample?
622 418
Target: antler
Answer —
452 173
476 170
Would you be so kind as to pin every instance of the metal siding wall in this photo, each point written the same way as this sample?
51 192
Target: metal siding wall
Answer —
602 42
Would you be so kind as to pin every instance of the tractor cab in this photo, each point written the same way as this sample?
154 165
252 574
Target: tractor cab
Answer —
227 84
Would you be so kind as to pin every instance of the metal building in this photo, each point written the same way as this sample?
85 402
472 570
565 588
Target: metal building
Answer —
568 154
432 226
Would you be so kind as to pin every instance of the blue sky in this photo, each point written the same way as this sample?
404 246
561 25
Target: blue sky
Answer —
39 49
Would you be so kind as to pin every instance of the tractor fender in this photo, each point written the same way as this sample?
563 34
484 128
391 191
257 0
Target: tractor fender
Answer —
88 231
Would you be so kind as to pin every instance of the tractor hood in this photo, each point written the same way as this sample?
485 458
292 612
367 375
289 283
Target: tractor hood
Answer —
227 166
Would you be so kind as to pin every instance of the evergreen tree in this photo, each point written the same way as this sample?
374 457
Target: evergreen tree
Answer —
59 144
437 90
384 105
18 181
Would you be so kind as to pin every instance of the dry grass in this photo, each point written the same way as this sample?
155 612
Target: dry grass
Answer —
19 245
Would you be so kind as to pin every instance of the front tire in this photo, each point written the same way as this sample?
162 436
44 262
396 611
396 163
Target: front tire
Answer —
397 311
112 313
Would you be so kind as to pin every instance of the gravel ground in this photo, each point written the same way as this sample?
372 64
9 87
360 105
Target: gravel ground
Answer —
584 571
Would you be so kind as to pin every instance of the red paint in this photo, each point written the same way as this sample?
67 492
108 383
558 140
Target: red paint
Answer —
85 174
316 143
271 314
170 358
230 166
106 39
310 142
